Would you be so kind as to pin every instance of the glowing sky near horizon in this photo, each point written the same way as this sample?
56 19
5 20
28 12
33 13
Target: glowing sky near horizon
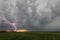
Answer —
17 14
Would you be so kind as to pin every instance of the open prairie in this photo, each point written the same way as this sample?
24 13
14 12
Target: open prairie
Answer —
29 36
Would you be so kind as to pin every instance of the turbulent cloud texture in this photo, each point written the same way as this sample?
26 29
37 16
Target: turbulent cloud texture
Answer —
34 15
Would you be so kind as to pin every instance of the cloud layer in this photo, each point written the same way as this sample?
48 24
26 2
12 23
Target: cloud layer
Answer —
36 15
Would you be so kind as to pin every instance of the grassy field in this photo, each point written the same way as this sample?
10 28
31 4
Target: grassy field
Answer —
29 36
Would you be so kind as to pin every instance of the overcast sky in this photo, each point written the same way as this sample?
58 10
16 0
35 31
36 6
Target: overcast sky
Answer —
46 16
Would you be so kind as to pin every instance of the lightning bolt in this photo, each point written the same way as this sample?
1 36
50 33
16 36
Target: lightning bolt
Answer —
13 24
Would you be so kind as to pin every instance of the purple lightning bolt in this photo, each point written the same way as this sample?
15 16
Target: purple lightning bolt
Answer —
13 24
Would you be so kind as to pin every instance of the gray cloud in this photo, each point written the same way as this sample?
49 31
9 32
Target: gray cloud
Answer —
40 16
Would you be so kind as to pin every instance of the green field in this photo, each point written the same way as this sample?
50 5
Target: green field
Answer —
29 36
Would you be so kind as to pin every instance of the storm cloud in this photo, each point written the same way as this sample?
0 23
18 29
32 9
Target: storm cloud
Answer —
35 15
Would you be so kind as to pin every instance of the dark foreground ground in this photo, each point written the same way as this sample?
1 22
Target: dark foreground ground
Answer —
29 36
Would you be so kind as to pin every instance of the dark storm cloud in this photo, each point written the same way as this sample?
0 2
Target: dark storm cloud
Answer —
30 20
55 12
